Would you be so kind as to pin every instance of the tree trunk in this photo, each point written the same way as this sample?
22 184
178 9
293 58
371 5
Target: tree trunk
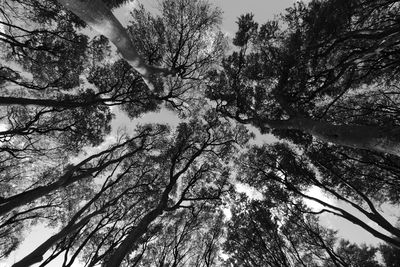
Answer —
133 236
357 136
24 198
36 256
5 101
68 178
96 14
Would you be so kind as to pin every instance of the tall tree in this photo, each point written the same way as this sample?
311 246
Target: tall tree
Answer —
281 172
265 238
330 72
390 255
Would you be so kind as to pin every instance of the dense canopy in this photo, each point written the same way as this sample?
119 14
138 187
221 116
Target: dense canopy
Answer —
323 78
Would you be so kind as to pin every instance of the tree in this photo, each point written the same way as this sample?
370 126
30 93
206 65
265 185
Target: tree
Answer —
330 73
356 255
98 16
267 239
189 238
390 255
192 141
279 171
42 200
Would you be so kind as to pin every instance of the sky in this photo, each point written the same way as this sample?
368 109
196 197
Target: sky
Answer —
263 10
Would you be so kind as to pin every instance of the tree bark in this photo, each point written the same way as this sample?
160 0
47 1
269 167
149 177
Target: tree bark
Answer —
357 136
5 101
96 14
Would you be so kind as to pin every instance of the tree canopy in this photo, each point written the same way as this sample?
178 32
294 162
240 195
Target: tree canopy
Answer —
322 77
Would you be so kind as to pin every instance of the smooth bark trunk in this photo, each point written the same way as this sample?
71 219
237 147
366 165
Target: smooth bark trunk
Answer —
5 101
99 17
357 136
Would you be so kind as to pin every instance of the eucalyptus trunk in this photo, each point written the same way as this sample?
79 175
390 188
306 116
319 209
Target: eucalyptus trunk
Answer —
372 138
99 17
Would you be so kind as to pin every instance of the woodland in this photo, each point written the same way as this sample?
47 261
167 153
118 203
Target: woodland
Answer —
321 78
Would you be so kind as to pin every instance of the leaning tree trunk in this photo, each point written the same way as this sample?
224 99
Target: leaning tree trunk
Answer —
68 178
36 256
357 136
141 228
133 236
99 17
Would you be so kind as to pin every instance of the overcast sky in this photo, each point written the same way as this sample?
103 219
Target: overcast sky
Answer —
263 10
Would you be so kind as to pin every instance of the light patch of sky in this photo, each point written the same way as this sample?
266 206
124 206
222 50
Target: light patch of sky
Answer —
3 127
259 138
262 10
348 230
123 123
316 192
250 191
123 12
232 9
35 236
